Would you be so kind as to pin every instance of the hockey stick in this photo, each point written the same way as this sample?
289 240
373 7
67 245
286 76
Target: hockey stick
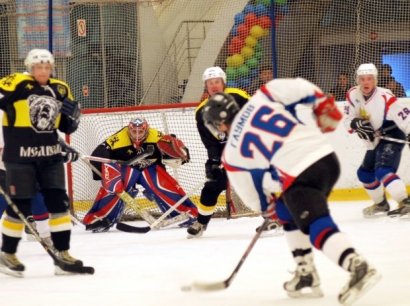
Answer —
74 268
394 139
227 282
124 196
148 152
159 222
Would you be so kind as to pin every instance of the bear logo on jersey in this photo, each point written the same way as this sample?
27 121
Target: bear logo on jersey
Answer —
43 112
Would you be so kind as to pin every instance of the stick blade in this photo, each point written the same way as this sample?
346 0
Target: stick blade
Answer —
132 229
207 286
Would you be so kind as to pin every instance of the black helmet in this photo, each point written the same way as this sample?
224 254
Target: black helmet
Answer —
220 108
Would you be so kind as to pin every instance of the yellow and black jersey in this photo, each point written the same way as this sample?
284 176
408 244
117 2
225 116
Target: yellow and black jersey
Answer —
32 116
213 145
120 147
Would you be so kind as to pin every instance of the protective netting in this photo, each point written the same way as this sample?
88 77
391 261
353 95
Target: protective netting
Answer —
125 53
96 127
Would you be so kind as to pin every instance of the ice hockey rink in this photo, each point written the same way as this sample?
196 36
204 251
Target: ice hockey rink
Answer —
149 269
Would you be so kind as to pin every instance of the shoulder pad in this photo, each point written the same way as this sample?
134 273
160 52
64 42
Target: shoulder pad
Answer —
153 136
10 82
119 139
240 92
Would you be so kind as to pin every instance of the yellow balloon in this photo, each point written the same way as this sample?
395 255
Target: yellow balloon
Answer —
247 52
229 61
237 60
257 31
251 41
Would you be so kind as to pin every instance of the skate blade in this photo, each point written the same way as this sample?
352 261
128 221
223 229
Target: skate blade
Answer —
10 272
310 293
368 282
376 215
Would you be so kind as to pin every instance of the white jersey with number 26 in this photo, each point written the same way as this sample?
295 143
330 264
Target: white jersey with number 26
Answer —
267 138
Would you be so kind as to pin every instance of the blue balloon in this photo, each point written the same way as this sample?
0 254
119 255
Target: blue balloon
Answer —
239 18
253 73
244 83
234 30
261 10
249 8
231 83
284 9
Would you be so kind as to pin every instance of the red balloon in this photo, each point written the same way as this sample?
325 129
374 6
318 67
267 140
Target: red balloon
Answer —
243 30
265 22
235 45
251 19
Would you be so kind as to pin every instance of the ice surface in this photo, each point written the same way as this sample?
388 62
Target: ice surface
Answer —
149 269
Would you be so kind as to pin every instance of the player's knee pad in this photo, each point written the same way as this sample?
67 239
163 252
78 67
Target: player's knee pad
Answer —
366 176
321 229
306 204
284 216
56 200
211 192
23 206
386 173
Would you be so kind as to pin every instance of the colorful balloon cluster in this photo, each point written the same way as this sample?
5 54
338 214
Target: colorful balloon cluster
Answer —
244 48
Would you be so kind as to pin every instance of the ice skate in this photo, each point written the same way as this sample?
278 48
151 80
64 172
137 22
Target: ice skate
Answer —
362 278
402 210
196 230
376 210
66 258
305 283
273 226
10 265
188 223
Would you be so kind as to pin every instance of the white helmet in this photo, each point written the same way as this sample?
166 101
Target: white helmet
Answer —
367 69
212 73
38 56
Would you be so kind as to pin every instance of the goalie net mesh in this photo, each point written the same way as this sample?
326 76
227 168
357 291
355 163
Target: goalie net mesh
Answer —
180 120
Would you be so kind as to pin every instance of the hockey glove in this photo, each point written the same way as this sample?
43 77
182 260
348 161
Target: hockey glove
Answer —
363 128
71 109
213 170
327 114
68 152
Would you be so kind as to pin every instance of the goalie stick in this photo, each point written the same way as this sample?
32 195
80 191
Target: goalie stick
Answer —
148 152
394 139
201 286
160 222
73 268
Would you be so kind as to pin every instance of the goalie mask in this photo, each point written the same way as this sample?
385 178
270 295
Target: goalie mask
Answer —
220 108
138 131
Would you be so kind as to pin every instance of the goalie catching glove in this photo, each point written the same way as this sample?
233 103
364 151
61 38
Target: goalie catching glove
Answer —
327 114
172 147
363 128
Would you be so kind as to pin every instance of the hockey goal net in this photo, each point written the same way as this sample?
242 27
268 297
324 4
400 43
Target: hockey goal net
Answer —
97 124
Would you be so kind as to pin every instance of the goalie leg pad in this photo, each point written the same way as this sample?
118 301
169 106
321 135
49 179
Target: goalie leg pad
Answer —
106 206
166 189
111 177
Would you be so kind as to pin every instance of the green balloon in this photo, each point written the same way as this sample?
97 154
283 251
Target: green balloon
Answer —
258 55
281 2
231 73
243 70
258 47
264 2
252 63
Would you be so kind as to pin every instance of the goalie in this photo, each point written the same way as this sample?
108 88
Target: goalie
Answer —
129 143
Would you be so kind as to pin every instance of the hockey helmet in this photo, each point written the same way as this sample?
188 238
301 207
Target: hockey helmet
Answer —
38 56
138 129
220 108
212 73
365 69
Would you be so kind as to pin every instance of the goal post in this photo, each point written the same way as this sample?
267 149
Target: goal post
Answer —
97 124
